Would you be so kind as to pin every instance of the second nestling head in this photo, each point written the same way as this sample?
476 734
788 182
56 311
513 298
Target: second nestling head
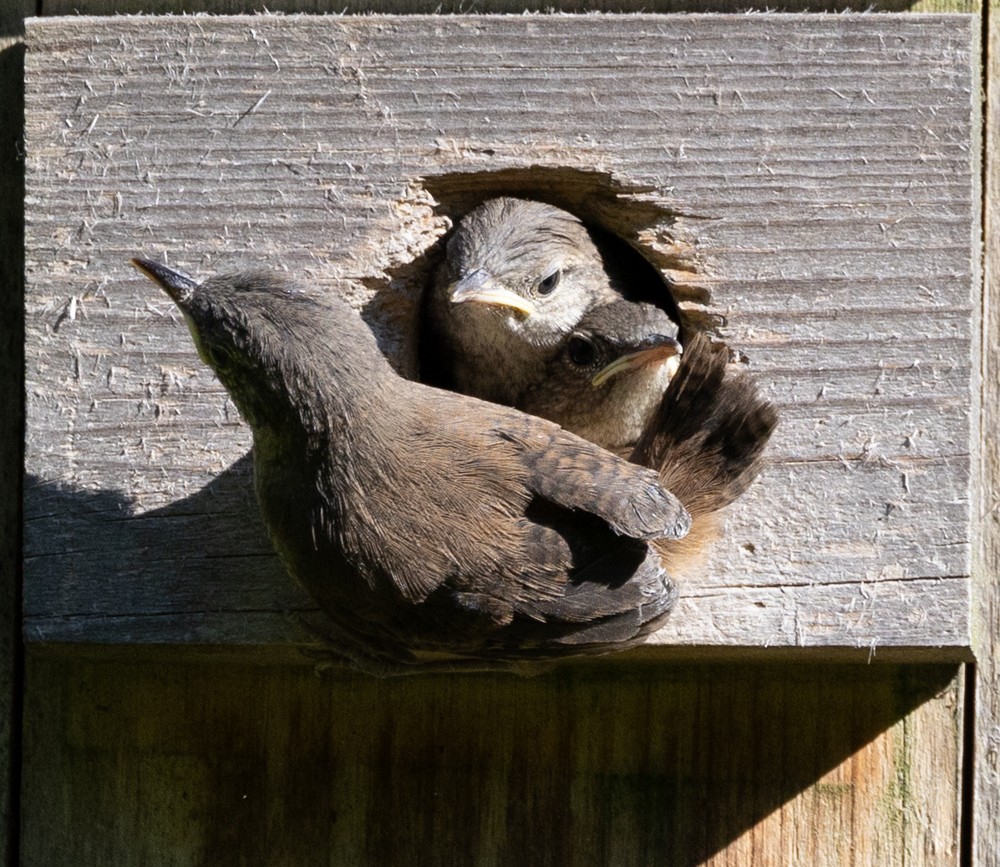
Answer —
607 379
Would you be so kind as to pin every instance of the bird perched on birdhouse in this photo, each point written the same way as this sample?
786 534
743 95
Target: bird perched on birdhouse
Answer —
423 521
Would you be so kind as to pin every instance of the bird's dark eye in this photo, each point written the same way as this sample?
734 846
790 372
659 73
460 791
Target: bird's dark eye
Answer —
581 350
548 284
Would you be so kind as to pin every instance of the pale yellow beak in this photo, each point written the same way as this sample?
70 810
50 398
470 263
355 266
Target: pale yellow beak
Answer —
667 352
479 287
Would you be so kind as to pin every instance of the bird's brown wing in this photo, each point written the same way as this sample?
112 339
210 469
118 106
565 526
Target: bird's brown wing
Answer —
530 524
582 566
575 474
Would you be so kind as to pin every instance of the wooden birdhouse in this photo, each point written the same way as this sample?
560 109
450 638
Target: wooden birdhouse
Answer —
804 188
808 188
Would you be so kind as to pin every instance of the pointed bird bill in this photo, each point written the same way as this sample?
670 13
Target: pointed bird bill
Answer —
668 351
176 284
479 286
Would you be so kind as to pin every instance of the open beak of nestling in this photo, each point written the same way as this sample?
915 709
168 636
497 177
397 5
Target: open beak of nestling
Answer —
478 286
176 284
665 350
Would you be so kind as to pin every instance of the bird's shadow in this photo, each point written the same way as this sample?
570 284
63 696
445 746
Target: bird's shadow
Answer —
97 565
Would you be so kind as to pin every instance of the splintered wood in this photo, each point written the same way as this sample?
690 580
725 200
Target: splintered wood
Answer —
818 188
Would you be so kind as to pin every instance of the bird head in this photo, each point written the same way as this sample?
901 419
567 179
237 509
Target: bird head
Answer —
256 329
523 267
610 374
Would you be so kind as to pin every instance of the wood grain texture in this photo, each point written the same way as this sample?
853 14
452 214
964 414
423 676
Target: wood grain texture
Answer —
810 180
232 7
984 796
156 763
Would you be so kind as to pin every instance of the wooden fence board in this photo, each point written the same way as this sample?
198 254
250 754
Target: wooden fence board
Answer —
157 762
983 793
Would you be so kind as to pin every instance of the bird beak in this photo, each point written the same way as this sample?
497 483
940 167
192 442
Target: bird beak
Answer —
176 284
478 286
666 350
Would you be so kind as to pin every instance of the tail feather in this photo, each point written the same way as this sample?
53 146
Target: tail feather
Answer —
706 440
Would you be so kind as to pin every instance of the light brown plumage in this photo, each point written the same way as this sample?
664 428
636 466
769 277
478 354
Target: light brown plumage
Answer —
607 379
704 433
423 520
517 277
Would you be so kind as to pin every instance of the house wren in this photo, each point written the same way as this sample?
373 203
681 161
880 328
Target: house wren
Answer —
517 277
620 382
609 376
423 521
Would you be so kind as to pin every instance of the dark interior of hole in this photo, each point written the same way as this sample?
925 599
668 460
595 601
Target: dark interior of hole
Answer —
629 268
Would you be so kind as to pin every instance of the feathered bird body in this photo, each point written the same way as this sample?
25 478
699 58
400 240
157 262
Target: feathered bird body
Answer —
420 519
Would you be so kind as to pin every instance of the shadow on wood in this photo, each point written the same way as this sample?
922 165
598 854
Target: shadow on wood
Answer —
12 423
165 572
154 761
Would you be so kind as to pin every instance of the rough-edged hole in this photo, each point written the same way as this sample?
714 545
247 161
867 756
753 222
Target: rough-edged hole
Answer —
638 232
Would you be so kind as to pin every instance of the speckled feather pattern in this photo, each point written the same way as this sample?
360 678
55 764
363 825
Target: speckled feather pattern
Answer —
706 440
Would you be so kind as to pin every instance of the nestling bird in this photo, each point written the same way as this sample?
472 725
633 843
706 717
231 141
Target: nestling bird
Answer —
610 374
419 519
705 434
517 277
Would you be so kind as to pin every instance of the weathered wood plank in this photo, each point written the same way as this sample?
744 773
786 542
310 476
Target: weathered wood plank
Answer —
483 7
814 181
154 762
984 796
875 607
